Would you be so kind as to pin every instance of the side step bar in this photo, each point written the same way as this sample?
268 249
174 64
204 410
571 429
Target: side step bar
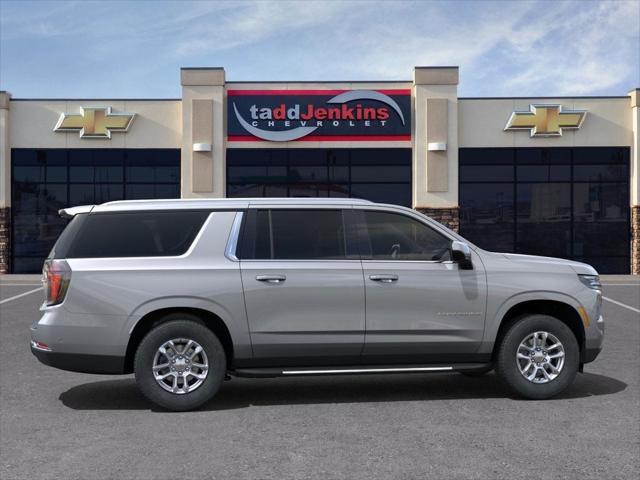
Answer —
351 370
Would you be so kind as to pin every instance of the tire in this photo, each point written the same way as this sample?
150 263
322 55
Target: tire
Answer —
509 365
194 385
480 372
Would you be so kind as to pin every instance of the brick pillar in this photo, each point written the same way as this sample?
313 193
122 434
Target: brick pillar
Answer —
449 217
635 239
5 239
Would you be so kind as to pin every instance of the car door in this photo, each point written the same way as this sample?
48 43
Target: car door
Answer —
420 306
303 287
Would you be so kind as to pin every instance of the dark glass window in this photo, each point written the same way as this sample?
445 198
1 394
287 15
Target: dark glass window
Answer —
381 175
134 234
391 236
46 180
563 202
543 219
486 173
294 235
486 215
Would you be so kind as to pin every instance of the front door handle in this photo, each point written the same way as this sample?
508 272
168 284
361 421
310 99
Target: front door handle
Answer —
384 278
271 278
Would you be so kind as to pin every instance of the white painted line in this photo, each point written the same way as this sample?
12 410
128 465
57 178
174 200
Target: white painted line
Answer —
19 284
20 296
633 309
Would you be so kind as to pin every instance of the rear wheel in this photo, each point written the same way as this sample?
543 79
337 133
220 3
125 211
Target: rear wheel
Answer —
538 357
180 364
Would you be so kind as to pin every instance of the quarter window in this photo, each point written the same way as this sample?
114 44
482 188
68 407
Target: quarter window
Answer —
131 234
391 236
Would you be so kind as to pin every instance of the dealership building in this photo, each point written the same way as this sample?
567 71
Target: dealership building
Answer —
556 176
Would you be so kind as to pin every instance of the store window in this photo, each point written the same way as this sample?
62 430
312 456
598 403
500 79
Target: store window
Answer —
46 180
560 202
380 175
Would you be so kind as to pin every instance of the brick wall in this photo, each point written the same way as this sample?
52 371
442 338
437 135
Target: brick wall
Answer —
5 239
449 217
635 239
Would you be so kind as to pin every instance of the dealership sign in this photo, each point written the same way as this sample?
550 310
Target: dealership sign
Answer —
318 115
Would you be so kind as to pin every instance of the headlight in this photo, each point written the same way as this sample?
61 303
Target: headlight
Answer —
591 281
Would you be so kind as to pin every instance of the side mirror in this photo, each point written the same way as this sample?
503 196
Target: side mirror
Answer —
461 254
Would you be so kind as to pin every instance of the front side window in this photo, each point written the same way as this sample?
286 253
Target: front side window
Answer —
392 236
294 235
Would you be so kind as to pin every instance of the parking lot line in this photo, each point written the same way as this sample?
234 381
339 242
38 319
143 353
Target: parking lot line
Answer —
633 309
19 296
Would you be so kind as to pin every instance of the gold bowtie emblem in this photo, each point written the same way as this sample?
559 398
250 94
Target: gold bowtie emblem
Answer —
546 120
94 122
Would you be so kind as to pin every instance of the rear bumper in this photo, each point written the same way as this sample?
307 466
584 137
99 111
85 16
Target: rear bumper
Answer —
74 362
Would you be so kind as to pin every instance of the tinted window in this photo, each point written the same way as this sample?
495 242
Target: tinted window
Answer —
46 180
390 236
378 174
134 234
61 247
565 202
294 235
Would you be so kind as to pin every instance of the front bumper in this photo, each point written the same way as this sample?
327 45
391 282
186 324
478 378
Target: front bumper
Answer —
590 354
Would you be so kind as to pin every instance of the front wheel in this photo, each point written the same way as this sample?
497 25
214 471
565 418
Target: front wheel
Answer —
180 364
538 357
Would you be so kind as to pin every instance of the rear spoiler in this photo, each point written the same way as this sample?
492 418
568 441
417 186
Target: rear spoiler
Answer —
73 211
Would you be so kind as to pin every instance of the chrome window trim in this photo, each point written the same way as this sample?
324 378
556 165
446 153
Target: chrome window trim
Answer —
292 260
234 235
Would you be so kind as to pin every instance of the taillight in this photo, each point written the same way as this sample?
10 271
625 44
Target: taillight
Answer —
56 276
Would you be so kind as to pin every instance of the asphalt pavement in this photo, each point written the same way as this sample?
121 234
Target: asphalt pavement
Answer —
63 425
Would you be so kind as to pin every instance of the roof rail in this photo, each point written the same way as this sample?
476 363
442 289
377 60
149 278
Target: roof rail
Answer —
247 199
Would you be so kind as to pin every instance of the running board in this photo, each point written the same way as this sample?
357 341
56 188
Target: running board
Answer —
351 370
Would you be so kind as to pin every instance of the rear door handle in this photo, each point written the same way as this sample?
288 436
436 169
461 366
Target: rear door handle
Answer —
271 278
384 278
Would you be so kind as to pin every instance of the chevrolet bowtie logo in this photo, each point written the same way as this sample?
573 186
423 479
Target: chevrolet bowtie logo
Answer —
546 120
95 122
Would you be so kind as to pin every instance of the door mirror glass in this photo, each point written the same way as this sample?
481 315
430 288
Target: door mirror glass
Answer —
461 254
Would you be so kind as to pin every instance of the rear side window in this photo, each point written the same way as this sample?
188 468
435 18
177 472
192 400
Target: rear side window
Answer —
66 238
295 235
392 236
134 234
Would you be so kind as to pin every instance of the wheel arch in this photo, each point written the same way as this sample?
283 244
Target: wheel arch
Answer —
563 311
156 317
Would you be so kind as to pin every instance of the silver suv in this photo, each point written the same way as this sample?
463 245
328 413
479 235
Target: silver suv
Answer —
185 293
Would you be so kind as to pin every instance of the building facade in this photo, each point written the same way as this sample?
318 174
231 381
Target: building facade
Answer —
546 176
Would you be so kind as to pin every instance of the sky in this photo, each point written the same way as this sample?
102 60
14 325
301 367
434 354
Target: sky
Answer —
119 49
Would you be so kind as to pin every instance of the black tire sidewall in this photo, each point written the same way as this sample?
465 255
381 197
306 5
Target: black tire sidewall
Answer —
179 326
507 368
